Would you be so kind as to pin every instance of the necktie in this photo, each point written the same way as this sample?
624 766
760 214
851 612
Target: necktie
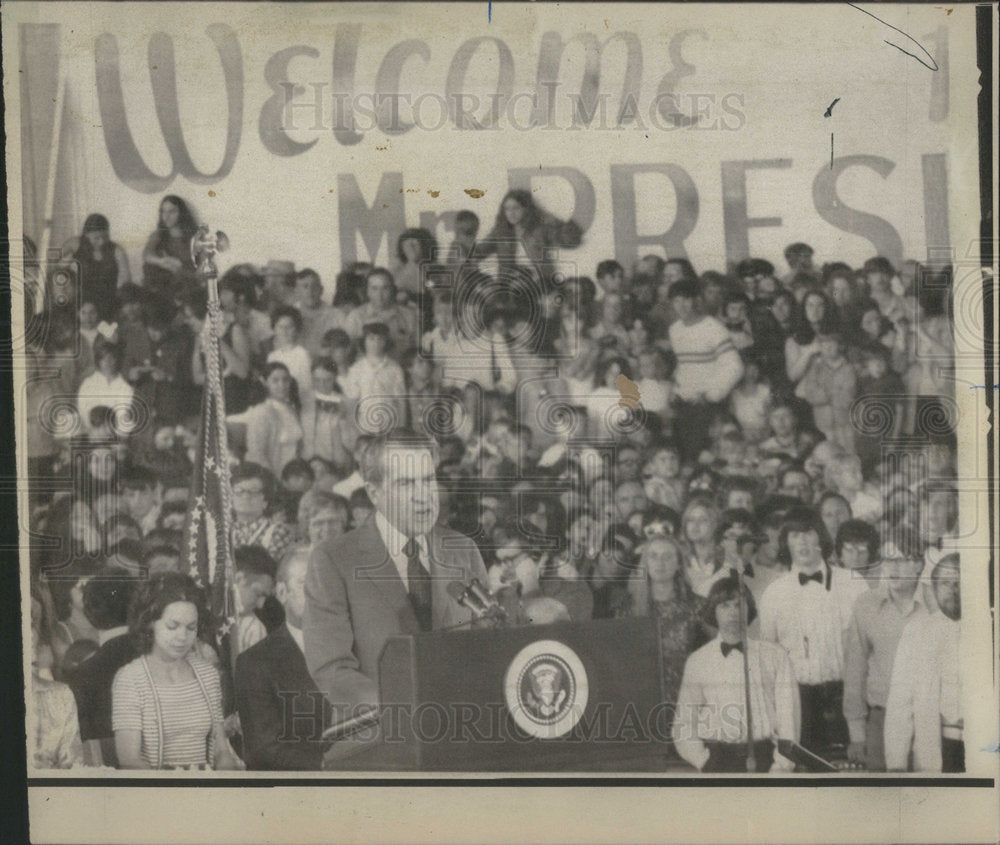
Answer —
817 576
494 367
419 580
728 647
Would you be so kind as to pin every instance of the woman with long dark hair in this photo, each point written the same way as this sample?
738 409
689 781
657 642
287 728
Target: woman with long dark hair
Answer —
274 428
238 384
414 249
167 703
815 316
522 233
166 260
102 265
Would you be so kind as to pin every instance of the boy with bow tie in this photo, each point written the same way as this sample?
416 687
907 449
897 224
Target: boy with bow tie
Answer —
807 611
711 725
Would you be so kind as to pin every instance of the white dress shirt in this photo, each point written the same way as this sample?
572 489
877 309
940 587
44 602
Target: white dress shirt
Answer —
924 694
809 621
394 541
711 704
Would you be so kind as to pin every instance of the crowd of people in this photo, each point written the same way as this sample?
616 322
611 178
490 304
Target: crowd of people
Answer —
640 442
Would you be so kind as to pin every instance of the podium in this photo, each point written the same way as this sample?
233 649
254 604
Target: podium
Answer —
568 696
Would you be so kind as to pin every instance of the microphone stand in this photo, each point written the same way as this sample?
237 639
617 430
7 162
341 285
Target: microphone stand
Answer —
751 759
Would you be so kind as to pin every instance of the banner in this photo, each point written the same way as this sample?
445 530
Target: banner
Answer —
318 133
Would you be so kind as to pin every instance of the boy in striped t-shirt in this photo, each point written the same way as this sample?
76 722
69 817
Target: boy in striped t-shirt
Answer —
708 368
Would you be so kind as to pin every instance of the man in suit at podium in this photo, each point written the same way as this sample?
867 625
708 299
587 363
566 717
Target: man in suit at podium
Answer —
386 577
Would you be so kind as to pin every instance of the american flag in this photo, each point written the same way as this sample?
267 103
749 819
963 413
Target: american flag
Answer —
209 545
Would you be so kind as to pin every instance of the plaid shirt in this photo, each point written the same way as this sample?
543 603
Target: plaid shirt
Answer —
275 537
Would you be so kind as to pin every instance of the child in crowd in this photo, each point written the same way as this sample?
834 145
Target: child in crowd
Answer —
361 507
829 386
663 483
751 400
843 475
323 424
376 383
655 387
880 406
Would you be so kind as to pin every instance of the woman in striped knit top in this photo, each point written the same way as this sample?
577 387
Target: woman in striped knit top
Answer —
167 703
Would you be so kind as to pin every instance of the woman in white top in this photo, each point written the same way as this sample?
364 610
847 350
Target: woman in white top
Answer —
274 432
375 384
107 388
815 317
287 350
603 410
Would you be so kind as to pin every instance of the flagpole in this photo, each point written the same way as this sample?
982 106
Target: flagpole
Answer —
204 246
48 210
751 760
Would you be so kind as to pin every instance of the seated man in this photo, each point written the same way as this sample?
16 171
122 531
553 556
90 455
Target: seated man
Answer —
710 727
381 307
253 495
141 492
106 599
259 612
282 713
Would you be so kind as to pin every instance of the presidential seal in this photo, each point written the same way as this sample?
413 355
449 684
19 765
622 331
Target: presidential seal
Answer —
546 689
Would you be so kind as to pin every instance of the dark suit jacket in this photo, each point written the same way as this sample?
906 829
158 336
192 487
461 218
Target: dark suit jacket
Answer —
282 713
91 685
355 601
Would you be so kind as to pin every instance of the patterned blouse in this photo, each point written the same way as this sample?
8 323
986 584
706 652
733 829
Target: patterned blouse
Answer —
681 633
275 537
57 732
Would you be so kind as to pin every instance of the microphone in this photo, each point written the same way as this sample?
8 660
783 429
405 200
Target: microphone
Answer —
481 593
367 718
466 597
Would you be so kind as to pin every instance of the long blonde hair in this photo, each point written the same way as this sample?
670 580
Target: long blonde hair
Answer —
639 585
688 548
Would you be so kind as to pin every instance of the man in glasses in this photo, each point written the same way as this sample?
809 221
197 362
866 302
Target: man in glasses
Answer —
253 490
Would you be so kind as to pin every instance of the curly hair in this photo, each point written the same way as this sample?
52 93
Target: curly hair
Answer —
531 220
160 591
427 241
